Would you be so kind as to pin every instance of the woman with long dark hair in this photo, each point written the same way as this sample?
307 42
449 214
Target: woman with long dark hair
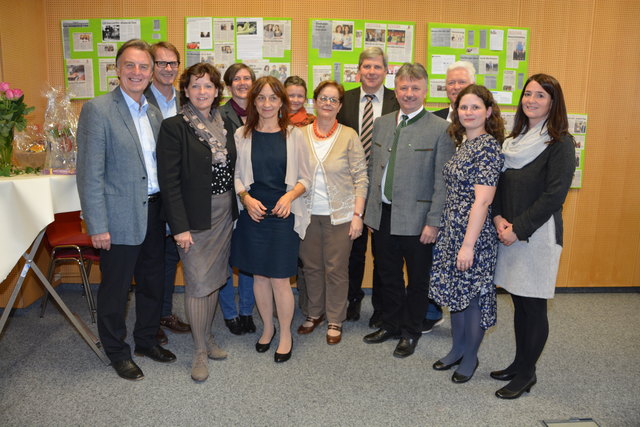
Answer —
539 166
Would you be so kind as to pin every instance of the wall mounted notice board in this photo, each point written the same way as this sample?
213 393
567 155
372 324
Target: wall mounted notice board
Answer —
499 55
264 44
335 45
90 46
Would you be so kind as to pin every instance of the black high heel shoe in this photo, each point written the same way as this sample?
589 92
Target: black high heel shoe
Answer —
506 393
503 375
261 348
439 366
283 357
459 378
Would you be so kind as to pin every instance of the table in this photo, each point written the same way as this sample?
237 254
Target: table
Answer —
28 203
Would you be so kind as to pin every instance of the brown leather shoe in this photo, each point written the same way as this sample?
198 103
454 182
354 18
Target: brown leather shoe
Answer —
161 337
334 339
174 324
303 330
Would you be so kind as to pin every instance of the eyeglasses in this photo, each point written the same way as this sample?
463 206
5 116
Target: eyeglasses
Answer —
325 99
172 64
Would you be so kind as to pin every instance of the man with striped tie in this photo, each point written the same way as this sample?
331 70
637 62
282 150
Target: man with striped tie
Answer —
361 106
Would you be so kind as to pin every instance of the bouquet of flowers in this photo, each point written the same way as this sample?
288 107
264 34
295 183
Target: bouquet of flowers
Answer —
12 117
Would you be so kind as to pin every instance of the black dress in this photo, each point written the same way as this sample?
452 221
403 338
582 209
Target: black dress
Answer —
269 247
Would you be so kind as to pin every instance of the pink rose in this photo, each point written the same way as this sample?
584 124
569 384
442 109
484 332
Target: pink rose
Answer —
17 93
9 94
4 86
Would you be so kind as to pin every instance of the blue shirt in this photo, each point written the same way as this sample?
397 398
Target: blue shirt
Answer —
147 139
168 108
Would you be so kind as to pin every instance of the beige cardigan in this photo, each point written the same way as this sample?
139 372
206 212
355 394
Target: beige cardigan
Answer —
297 172
345 172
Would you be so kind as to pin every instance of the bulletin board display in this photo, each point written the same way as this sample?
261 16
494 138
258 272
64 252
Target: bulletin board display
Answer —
499 55
90 46
577 128
264 44
335 45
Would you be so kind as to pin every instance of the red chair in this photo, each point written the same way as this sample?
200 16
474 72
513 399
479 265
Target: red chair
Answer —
68 243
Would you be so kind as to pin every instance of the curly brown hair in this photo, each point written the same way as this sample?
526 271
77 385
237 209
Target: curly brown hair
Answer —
494 125
198 71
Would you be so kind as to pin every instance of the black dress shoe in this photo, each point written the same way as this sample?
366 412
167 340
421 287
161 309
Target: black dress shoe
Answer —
128 370
381 335
376 320
247 324
503 375
507 393
353 311
261 348
405 347
459 378
234 326
439 366
156 353
283 357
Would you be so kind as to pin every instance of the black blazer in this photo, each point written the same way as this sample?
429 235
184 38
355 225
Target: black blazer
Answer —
443 114
184 174
231 122
349 114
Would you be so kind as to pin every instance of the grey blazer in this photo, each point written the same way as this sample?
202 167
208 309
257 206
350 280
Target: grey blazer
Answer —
111 173
418 186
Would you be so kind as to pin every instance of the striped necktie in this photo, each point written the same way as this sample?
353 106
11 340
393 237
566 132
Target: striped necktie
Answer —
367 126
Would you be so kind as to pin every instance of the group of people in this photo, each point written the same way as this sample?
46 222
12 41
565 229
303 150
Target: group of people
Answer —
261 185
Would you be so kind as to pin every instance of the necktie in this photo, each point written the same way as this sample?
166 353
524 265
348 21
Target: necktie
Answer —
388 184
367 126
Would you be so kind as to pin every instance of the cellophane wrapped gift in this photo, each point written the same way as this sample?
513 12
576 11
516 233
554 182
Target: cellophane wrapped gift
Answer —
60 127
29 148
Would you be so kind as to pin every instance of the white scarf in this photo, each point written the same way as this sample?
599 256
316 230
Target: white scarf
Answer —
524 148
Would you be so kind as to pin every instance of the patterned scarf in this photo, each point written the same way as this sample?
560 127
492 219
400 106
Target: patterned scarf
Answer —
210 130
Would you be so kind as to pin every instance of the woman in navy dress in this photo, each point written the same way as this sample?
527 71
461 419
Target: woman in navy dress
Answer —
464 256
272 172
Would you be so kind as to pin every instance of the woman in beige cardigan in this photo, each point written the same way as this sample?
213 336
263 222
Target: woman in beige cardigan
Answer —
336 202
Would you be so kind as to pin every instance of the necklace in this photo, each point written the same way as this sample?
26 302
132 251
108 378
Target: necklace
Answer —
331 131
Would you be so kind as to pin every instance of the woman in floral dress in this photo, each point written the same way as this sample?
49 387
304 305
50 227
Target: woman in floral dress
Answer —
464 257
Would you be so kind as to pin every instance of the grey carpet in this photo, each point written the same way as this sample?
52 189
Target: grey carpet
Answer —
49 376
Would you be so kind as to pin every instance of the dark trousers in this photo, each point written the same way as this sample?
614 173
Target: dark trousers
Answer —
118 266
357 260
403 308
171 259
531 329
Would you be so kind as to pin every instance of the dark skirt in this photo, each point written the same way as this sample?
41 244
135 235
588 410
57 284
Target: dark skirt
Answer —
267 248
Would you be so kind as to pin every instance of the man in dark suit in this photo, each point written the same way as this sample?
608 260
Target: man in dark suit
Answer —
120 199
404 205
162 94
460 74
372 68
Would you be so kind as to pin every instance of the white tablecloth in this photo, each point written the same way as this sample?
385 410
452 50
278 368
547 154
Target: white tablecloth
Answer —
27 205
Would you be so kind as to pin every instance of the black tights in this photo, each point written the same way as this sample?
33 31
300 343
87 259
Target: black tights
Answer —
531 329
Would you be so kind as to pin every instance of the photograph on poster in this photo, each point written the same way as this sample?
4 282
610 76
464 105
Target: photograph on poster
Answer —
75 73
107 49
247 28
342 35
396 38
111 32
350 72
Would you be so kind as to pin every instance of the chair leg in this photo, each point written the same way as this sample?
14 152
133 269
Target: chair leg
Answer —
45 298
87 289
92 300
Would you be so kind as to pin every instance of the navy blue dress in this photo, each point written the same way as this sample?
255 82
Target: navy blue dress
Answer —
269 247
477 161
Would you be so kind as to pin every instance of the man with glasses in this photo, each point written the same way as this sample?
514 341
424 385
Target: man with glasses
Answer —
360 107
162 94
121 204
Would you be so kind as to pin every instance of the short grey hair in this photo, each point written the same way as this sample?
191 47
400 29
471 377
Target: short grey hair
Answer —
411 71
373 52
466 65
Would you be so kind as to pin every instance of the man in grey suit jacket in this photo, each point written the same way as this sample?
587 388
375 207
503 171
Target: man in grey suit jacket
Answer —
119 194
372 67
404 204
162 94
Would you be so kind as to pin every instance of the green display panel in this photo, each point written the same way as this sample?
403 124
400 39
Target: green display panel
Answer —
499 55
335 45
264 44
90 46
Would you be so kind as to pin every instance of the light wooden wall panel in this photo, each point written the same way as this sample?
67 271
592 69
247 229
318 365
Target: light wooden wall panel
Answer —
591 46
